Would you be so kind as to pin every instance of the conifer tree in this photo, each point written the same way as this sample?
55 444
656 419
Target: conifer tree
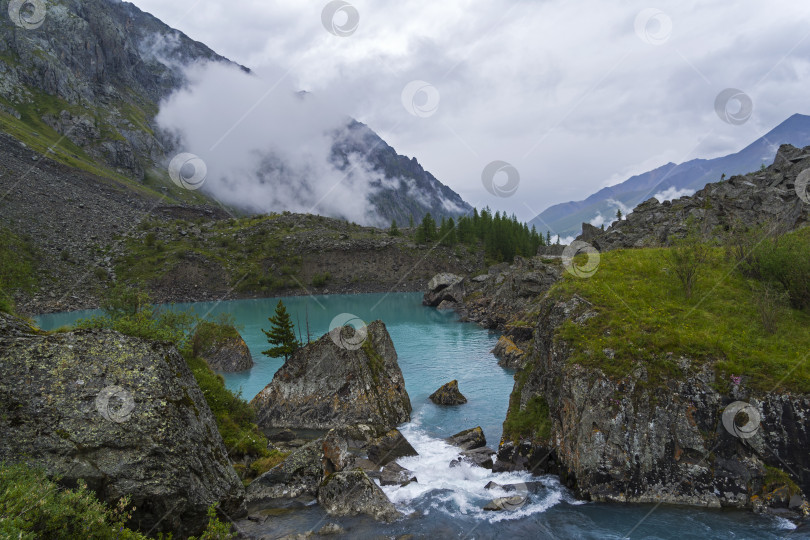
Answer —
394 230
281 334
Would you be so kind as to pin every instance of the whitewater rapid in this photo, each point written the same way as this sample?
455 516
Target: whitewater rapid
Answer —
460 490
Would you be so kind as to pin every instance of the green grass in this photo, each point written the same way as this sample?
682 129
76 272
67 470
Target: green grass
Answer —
776 478
18 264
643 316
43 139
533 421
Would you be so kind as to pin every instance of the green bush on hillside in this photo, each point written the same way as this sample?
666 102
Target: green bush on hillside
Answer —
32 507
785 260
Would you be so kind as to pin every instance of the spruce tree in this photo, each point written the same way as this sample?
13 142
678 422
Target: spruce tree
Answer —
619 214
281 334
394 230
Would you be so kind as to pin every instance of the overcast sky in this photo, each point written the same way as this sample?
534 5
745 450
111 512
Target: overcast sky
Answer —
575 94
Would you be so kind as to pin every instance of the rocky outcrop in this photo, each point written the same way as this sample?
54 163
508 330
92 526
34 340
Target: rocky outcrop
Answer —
448 394
351 493
469 439
224 351
299 474
500 300
336 381
768 197
109 60
508 354
123 414
444 289
389 447
632 441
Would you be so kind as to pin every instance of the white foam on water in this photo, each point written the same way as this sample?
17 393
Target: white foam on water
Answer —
784 524
460 489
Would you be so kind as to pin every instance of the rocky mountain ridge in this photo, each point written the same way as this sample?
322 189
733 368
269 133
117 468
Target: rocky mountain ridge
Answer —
768 197
86 86
691 176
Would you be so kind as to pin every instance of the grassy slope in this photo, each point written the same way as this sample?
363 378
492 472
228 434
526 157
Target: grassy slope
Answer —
643 315
18 261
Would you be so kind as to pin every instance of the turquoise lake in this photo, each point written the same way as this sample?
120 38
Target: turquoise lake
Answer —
434 348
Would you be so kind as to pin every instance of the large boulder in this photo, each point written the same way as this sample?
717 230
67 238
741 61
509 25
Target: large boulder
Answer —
445 287
337 381
123 414
469 439
350 493
222 347
389 447
448 394
299 474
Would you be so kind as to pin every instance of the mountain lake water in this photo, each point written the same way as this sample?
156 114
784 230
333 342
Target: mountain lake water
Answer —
434 348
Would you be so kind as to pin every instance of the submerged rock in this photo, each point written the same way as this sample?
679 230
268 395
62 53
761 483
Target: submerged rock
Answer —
481 457
508 504
448 394
121 413
469 439
350 493
394 474
338 381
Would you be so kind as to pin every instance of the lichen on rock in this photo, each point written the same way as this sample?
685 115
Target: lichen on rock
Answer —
121 413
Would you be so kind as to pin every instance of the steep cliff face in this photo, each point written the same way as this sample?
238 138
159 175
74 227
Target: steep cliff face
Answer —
344 378
123 414
632 439
94 72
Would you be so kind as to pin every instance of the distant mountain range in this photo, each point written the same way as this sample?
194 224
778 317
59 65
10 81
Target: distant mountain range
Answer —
85 88
671 181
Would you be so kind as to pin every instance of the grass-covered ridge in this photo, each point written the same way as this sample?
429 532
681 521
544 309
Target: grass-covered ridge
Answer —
644 316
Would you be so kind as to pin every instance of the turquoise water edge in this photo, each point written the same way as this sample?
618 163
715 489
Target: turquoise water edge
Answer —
434 348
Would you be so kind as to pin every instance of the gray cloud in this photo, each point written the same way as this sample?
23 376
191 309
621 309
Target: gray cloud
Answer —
267 148
565 91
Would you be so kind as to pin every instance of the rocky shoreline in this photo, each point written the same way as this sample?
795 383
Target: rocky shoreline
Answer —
625 440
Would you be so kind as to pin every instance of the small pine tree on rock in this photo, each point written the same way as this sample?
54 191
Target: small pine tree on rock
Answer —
394 230
619 214
281 334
